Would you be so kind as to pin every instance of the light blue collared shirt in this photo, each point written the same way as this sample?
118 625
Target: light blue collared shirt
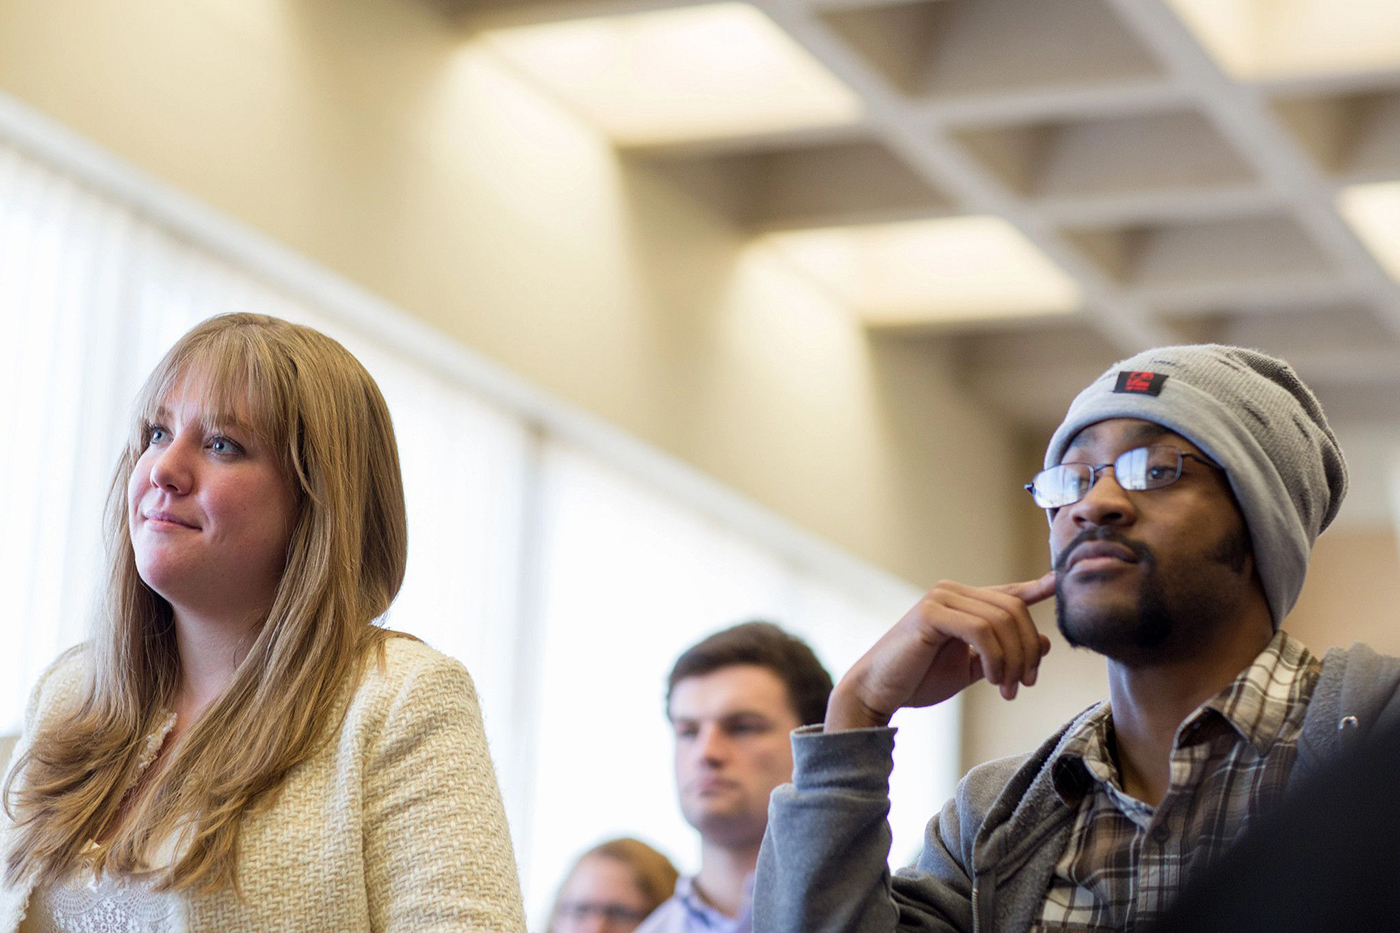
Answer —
687 912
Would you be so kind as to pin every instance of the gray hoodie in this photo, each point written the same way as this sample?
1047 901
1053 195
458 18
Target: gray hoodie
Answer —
989 854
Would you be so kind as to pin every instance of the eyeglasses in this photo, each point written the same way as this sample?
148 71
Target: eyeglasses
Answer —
1137 469
612 913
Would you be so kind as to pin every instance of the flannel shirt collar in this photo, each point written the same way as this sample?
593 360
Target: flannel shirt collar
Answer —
1257 704
1267 694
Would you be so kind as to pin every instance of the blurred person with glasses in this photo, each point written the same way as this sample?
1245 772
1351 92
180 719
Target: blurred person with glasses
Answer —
612 888
1184 491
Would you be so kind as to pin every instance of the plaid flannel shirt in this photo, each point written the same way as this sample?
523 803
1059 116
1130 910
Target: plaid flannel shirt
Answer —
1231 760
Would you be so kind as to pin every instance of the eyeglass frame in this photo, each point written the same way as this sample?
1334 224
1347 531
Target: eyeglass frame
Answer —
610 911
1095 470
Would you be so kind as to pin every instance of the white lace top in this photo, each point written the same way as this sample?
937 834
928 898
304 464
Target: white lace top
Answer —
85 904
88 903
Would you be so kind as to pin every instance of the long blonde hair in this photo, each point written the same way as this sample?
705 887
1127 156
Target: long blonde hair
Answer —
313 402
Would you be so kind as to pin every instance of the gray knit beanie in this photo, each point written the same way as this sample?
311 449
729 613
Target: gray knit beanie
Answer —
1250 414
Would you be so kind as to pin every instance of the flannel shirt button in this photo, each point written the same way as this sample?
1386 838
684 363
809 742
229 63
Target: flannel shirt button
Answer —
1161 834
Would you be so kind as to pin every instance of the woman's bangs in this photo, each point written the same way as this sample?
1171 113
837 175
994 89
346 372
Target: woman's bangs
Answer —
228 380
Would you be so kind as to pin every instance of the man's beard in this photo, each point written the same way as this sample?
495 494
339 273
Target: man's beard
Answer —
1176 611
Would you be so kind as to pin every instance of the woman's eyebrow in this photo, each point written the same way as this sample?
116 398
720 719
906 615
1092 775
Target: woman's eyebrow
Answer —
230 422
227 420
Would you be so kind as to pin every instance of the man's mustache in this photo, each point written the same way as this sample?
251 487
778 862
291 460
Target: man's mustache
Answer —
1102 533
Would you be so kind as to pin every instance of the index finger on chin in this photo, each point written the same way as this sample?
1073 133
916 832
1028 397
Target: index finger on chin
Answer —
1030 592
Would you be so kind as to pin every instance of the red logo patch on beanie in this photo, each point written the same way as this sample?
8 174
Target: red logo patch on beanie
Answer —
1140 383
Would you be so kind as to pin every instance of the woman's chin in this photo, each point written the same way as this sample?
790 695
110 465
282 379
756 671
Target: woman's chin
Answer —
172 582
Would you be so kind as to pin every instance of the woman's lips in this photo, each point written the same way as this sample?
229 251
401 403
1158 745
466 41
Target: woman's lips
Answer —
165 520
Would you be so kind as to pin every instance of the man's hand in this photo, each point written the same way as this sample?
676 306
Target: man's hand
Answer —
956 635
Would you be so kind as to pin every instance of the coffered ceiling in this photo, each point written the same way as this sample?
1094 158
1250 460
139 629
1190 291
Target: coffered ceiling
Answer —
1189 170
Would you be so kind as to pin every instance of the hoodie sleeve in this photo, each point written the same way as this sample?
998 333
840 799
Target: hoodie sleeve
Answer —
823 866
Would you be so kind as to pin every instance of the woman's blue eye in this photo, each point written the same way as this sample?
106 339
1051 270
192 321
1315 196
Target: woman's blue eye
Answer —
155 433
222 445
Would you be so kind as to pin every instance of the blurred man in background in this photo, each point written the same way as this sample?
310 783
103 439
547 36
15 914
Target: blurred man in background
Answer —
732 700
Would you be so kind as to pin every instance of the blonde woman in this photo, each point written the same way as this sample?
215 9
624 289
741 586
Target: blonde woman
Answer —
239 747
612 888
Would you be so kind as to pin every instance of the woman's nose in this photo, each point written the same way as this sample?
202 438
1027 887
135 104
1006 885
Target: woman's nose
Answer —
170 470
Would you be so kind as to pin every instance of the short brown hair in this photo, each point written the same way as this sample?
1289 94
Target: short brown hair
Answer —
765 645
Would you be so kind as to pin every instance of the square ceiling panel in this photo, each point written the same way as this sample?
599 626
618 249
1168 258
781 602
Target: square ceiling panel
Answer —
688 73
1264 39
1353 136
950 270
1031 374
812 185
1307 335
982 48
1374 213
1062 165
1245 264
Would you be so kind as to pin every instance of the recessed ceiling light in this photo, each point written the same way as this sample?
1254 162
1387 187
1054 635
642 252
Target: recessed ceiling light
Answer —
1372 211
926 271
1256 39
679 75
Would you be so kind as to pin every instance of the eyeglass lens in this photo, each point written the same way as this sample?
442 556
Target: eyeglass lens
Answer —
1137 469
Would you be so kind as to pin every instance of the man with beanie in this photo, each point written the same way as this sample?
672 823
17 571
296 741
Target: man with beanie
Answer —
1184 491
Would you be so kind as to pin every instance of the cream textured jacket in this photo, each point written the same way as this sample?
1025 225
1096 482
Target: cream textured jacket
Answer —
396 824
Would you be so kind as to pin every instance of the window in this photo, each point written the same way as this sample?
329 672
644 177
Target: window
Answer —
566 579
